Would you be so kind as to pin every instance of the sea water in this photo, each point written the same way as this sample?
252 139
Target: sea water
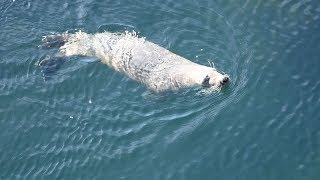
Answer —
86 121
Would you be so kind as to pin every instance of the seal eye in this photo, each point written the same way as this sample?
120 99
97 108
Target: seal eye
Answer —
205 81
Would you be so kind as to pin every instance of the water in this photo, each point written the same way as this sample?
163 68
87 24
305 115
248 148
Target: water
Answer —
88 122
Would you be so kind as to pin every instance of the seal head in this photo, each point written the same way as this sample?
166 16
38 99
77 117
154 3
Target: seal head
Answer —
214 79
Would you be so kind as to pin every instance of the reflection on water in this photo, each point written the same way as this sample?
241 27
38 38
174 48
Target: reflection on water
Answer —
89 122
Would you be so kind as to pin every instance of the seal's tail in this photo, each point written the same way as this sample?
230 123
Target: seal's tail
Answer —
50 64
54 41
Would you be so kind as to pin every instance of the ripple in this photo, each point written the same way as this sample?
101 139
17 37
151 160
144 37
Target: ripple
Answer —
90 122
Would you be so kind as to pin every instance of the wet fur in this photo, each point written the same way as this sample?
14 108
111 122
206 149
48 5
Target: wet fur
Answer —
141 60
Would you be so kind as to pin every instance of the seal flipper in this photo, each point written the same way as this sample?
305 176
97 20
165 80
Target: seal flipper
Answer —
54 41
50 65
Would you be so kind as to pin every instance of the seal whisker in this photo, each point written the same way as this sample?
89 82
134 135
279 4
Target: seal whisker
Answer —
209 63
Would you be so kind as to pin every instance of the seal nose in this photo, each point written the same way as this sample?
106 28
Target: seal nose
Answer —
225 80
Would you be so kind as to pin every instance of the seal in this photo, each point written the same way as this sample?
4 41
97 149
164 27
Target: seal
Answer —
143 61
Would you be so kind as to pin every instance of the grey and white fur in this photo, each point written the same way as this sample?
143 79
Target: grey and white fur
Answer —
143 61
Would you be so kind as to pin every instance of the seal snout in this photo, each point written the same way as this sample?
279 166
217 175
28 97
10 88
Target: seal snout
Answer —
225 80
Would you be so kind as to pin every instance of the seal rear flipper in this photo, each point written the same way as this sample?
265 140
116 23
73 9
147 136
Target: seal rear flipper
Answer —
50 65
54 41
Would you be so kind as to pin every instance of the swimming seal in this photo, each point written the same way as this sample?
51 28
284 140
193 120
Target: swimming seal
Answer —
143 61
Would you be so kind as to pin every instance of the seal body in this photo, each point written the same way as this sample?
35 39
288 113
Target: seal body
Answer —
143 61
